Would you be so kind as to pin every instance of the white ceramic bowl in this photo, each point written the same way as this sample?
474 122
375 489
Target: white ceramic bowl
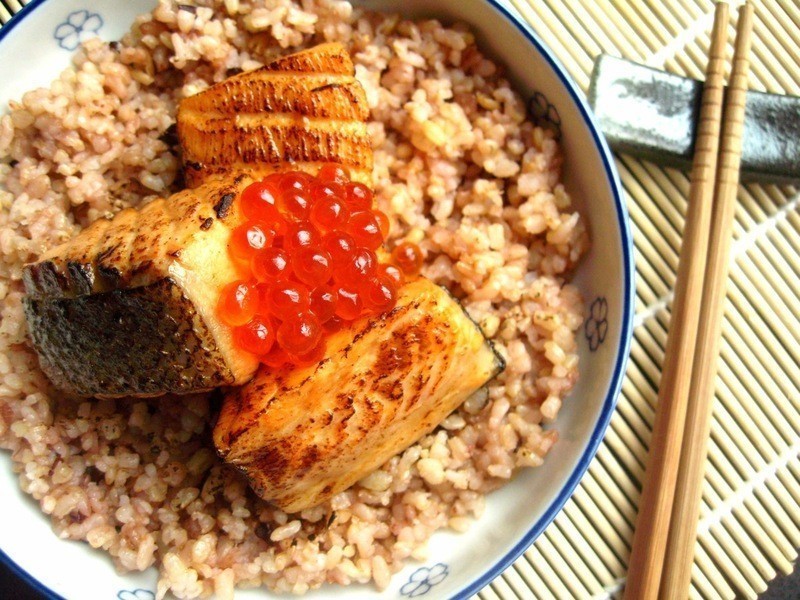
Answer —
33 50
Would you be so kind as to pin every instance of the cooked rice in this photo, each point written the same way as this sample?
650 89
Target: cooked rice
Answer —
459 169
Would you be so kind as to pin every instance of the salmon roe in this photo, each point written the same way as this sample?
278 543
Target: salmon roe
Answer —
307 248
408 257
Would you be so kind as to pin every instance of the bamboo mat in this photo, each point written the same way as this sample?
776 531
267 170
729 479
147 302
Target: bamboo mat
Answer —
750 519
750 522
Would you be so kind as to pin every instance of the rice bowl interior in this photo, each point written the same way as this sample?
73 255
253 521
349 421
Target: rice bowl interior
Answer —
461 170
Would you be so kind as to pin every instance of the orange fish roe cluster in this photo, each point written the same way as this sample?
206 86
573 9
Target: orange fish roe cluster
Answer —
306 251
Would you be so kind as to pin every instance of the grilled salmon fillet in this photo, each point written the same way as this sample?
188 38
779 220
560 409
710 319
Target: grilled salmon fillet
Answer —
127 308
303 435
299 111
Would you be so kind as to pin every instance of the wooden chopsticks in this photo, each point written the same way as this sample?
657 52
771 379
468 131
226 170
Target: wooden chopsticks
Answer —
666 528
688 492
655 504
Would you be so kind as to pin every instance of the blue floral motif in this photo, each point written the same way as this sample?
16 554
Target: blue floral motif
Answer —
137 594
596 326
423 579
544 114
79 26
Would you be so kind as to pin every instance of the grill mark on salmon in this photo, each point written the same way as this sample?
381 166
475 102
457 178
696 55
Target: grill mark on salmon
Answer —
222 207
301 110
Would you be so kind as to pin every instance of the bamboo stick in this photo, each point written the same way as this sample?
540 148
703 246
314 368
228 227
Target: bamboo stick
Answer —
688 493
652 525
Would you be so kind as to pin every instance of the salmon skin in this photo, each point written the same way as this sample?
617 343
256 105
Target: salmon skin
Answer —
302 435
299 111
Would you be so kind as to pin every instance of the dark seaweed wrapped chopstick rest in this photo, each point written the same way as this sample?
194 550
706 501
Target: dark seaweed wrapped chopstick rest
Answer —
653 115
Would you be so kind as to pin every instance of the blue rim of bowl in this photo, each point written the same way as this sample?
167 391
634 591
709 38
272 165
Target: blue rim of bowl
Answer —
627 313
5 558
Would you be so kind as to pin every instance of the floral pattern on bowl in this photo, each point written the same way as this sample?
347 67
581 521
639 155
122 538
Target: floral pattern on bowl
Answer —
544 114
79 26
596 326
137 594
424 579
